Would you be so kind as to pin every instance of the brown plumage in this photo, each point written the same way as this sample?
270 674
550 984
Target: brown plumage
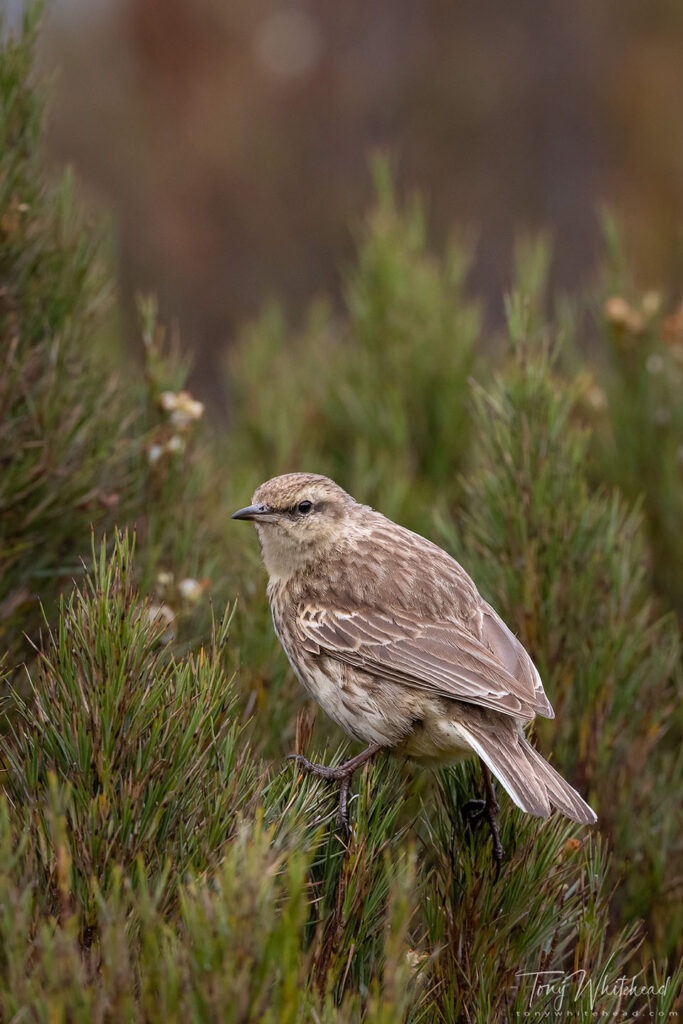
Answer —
390 636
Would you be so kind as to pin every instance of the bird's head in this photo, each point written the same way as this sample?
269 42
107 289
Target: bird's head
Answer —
300 517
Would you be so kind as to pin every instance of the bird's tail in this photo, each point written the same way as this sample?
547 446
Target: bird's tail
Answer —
531 781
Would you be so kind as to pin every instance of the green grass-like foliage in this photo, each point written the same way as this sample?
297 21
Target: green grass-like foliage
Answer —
146 745
314 400
567 569
64 448
155 869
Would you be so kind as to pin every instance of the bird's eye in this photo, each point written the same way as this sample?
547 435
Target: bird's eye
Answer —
305 507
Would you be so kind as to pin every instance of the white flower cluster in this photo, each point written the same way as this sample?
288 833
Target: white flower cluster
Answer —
162 616
182 407
183 410
188 589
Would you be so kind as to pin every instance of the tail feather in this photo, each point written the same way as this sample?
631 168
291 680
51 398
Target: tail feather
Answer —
531 781
562 796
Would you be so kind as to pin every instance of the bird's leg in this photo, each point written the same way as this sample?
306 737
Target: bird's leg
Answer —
338 772
341 773
491 814
343 806
487 808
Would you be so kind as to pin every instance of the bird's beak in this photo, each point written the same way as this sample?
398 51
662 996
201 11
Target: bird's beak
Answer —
257 513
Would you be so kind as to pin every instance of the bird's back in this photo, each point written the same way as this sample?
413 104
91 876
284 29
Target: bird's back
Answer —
379 566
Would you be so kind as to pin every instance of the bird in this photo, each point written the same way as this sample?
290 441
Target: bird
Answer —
389 635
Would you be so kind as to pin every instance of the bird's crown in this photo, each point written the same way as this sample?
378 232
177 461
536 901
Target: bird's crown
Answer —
285 493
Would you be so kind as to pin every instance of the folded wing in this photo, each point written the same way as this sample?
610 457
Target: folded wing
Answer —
445 658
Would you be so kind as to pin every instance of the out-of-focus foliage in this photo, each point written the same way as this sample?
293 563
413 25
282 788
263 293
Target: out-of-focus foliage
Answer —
335 398
158 861
84 437
64 448
642 431
232 139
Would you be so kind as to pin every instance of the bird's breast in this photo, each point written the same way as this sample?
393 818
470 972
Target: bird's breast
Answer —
368 709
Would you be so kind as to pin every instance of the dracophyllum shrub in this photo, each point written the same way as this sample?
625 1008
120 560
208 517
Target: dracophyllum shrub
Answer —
377 395
567 567
143 747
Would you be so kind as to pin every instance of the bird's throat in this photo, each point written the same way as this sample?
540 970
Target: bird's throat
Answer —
283 557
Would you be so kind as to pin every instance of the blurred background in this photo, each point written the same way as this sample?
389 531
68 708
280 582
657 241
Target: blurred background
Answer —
231 140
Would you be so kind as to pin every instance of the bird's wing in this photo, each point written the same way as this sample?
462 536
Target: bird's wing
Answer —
443 657
508 650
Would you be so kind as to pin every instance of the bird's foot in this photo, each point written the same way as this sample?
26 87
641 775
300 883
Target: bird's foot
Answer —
323 771
488 810
341 773
342 818
491 814
473 810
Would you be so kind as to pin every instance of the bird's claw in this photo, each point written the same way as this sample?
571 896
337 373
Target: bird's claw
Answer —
311 768
333 775
473 809
342 774
495 837
477 810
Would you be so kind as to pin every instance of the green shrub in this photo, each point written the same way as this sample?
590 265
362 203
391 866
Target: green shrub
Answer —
378 401
544 917
567 569
64 446
641 436
152 869
146 745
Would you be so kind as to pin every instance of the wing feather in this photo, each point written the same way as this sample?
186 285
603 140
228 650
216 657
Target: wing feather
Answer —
445 658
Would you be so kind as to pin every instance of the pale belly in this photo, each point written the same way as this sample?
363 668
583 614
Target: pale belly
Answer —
370 714
437 740
411 722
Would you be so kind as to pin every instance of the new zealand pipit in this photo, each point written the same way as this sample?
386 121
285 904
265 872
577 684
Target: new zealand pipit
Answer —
390 636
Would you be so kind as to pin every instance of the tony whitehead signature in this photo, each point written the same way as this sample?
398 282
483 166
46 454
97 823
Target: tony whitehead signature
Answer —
563 986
